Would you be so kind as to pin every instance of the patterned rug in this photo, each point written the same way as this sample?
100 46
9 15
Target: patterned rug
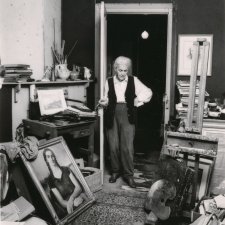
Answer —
113 209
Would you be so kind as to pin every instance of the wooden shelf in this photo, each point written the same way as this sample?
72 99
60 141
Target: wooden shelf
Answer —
18 85
40 83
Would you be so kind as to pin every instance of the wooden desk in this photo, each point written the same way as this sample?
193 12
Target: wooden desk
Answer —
47 130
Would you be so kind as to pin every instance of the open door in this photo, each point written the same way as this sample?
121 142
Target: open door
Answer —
103 72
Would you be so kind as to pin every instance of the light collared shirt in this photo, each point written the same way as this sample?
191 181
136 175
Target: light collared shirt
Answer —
143 93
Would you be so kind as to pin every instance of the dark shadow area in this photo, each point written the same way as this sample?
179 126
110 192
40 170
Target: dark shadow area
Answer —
5 114
149 65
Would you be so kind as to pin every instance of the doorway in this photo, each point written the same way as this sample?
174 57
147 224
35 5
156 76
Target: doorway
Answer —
149 65
140 54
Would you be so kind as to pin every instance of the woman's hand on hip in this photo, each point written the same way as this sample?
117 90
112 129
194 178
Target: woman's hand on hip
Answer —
137 103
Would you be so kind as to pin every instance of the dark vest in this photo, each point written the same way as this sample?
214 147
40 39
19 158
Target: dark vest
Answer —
129 97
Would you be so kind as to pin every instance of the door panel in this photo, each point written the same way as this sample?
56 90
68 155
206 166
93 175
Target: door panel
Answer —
103 72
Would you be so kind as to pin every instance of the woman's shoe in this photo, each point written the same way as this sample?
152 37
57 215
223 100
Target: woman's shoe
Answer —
130 181
114 177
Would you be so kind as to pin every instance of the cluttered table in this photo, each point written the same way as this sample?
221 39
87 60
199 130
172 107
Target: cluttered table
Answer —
47 130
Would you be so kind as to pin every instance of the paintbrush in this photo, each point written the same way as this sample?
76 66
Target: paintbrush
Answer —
62 51
55 55
71 50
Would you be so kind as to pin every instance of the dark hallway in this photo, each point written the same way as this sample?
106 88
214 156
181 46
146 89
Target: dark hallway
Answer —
149 65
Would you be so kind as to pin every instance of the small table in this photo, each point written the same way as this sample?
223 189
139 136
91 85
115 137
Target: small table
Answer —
42 129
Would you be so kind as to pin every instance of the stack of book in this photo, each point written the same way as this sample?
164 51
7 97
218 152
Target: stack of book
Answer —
183 87
17 72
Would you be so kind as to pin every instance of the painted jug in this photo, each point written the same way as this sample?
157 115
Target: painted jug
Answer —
62 71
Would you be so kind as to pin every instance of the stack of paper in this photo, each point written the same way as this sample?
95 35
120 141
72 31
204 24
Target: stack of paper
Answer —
81 111
183 87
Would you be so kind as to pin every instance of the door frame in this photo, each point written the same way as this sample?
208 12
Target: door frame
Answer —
135 9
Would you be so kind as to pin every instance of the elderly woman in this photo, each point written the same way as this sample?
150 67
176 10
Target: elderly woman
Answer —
123 94
63 184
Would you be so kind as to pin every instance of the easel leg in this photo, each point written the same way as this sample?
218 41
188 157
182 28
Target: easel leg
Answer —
195 182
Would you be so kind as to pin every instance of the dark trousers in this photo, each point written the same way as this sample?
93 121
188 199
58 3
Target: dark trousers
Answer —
121 142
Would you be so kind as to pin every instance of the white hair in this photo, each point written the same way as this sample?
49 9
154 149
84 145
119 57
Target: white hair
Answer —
122 60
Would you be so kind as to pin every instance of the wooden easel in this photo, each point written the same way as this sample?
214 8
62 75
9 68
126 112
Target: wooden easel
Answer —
192 143
194 125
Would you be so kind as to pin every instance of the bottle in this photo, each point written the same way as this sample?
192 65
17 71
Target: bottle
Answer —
74 75
53 74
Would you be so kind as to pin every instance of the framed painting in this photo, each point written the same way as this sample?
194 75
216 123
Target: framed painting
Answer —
59 181
204 175
185 53
51 101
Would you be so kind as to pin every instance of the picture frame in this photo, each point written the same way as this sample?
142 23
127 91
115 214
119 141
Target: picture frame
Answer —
51 101
203 179
66 193
217 183
204 175
185 46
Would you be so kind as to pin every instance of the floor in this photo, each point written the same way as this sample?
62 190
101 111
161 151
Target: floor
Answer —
149 164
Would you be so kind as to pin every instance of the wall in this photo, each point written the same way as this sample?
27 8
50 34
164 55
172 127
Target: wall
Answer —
78 24
26 37
27 32
52 29
206 17
21 40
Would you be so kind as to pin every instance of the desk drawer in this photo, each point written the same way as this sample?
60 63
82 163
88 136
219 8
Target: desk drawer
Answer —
39 130
81 133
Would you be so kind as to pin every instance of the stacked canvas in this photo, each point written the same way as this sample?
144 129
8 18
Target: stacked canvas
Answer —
17 72
183 87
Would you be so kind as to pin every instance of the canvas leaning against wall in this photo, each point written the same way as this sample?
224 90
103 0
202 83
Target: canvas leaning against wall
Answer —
59 181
